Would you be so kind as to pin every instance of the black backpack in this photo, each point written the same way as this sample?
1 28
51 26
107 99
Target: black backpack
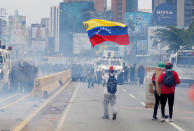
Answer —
168 80
112 84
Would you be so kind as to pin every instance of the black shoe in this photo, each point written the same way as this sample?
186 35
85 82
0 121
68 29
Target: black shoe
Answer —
114 116
154 118
105 117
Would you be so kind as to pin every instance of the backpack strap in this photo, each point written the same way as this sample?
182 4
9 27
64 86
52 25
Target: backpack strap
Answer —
111 75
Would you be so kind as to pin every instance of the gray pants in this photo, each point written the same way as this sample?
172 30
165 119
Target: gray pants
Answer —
112 99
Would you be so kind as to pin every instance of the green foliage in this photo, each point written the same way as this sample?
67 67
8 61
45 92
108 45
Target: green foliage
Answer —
176 37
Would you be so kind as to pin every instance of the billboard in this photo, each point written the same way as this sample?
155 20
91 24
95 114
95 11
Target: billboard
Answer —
38 32
39 36
138 21
155 45
17 30
141 48
165 15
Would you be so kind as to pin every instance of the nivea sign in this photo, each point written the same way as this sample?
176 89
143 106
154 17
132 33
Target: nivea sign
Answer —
165 15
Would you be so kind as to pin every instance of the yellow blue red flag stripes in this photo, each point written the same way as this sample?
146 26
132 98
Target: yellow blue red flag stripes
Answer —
102 30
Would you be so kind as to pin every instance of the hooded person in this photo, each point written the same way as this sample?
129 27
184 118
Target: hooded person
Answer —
157 93
110 90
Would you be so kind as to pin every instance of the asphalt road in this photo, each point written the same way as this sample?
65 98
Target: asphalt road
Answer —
86 111
78 108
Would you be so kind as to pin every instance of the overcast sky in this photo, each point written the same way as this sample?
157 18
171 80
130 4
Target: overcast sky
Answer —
36 9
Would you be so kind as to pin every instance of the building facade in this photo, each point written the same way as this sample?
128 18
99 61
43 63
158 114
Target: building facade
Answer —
188 12
45 21
192 10
17 29
99 5
131 5
184 12
72 15
3 25
54 29
39 37
183 7
119 7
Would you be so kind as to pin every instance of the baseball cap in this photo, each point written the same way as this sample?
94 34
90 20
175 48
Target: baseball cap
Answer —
168 65
111 68
161 65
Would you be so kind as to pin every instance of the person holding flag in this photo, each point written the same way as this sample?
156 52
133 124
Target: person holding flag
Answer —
110 90
100 31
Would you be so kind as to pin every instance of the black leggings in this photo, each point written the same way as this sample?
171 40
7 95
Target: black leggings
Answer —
163 100
157 98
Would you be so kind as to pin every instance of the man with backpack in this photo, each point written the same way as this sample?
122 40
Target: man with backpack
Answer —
110 90
168 80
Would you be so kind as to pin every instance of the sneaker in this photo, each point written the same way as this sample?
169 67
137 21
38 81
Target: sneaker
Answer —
105 117
162 119
154 118
114 116
170 120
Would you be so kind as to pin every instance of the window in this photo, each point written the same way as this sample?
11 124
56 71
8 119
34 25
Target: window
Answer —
181 60
1 59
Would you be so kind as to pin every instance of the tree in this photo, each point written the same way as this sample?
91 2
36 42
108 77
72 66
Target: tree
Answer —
176 37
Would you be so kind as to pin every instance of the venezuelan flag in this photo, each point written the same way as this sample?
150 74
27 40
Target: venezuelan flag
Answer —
102 30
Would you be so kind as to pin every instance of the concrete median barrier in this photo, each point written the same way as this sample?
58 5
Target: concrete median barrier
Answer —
46 84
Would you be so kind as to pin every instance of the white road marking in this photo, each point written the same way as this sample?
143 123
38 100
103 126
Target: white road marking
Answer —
131 95
8 98
21 125
176 126
60 124
142 103
13 103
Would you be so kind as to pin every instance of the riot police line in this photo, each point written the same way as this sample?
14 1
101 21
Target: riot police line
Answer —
23 74
130 74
